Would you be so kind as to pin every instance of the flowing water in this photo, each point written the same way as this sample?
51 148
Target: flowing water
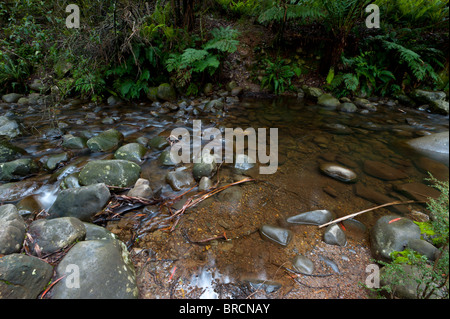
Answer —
189 262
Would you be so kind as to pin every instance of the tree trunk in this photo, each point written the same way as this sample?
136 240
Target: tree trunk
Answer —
333 54
188 10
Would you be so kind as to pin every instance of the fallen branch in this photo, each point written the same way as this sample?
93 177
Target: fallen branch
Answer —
368 210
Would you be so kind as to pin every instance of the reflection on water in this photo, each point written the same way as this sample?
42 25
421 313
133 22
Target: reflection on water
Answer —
308 137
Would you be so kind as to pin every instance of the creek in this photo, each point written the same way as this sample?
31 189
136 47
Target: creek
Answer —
184 263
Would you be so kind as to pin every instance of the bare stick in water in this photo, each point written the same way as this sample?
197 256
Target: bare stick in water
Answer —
368 210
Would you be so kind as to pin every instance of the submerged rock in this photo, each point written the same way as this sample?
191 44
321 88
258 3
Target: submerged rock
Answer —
418 191
339 172
348 107
439 170
166 159
379 198
383 171
275 234
268 286
23 277
119 173
315 217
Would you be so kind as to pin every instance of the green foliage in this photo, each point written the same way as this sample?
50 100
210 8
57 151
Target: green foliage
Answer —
132 78
365 76
418 68
416 12
89 81
223 40
278 75
205 61
431 276
406 256
286 10
241 7
24 45
439 211
13 72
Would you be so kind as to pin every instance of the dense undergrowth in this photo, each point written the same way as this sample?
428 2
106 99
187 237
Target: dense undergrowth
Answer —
125 47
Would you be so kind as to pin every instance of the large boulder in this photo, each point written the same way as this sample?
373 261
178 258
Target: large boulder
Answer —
11 97
119 173
434 146
392 233
312 92
166 92
18 168
407 283
106 141
329 101
82 202
96 269
436 99
23 277
12 230
51 235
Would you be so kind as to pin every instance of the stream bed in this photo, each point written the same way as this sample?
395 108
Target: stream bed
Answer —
216 249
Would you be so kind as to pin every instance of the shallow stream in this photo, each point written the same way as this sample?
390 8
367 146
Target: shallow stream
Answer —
185 262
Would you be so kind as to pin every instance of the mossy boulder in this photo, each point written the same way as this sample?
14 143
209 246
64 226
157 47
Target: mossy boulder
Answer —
166 92
152 94
9 152
119 173
106 141
133 152
17 169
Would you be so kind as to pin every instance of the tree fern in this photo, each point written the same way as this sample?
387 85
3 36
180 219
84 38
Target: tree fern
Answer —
418 67
224 40
191 56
